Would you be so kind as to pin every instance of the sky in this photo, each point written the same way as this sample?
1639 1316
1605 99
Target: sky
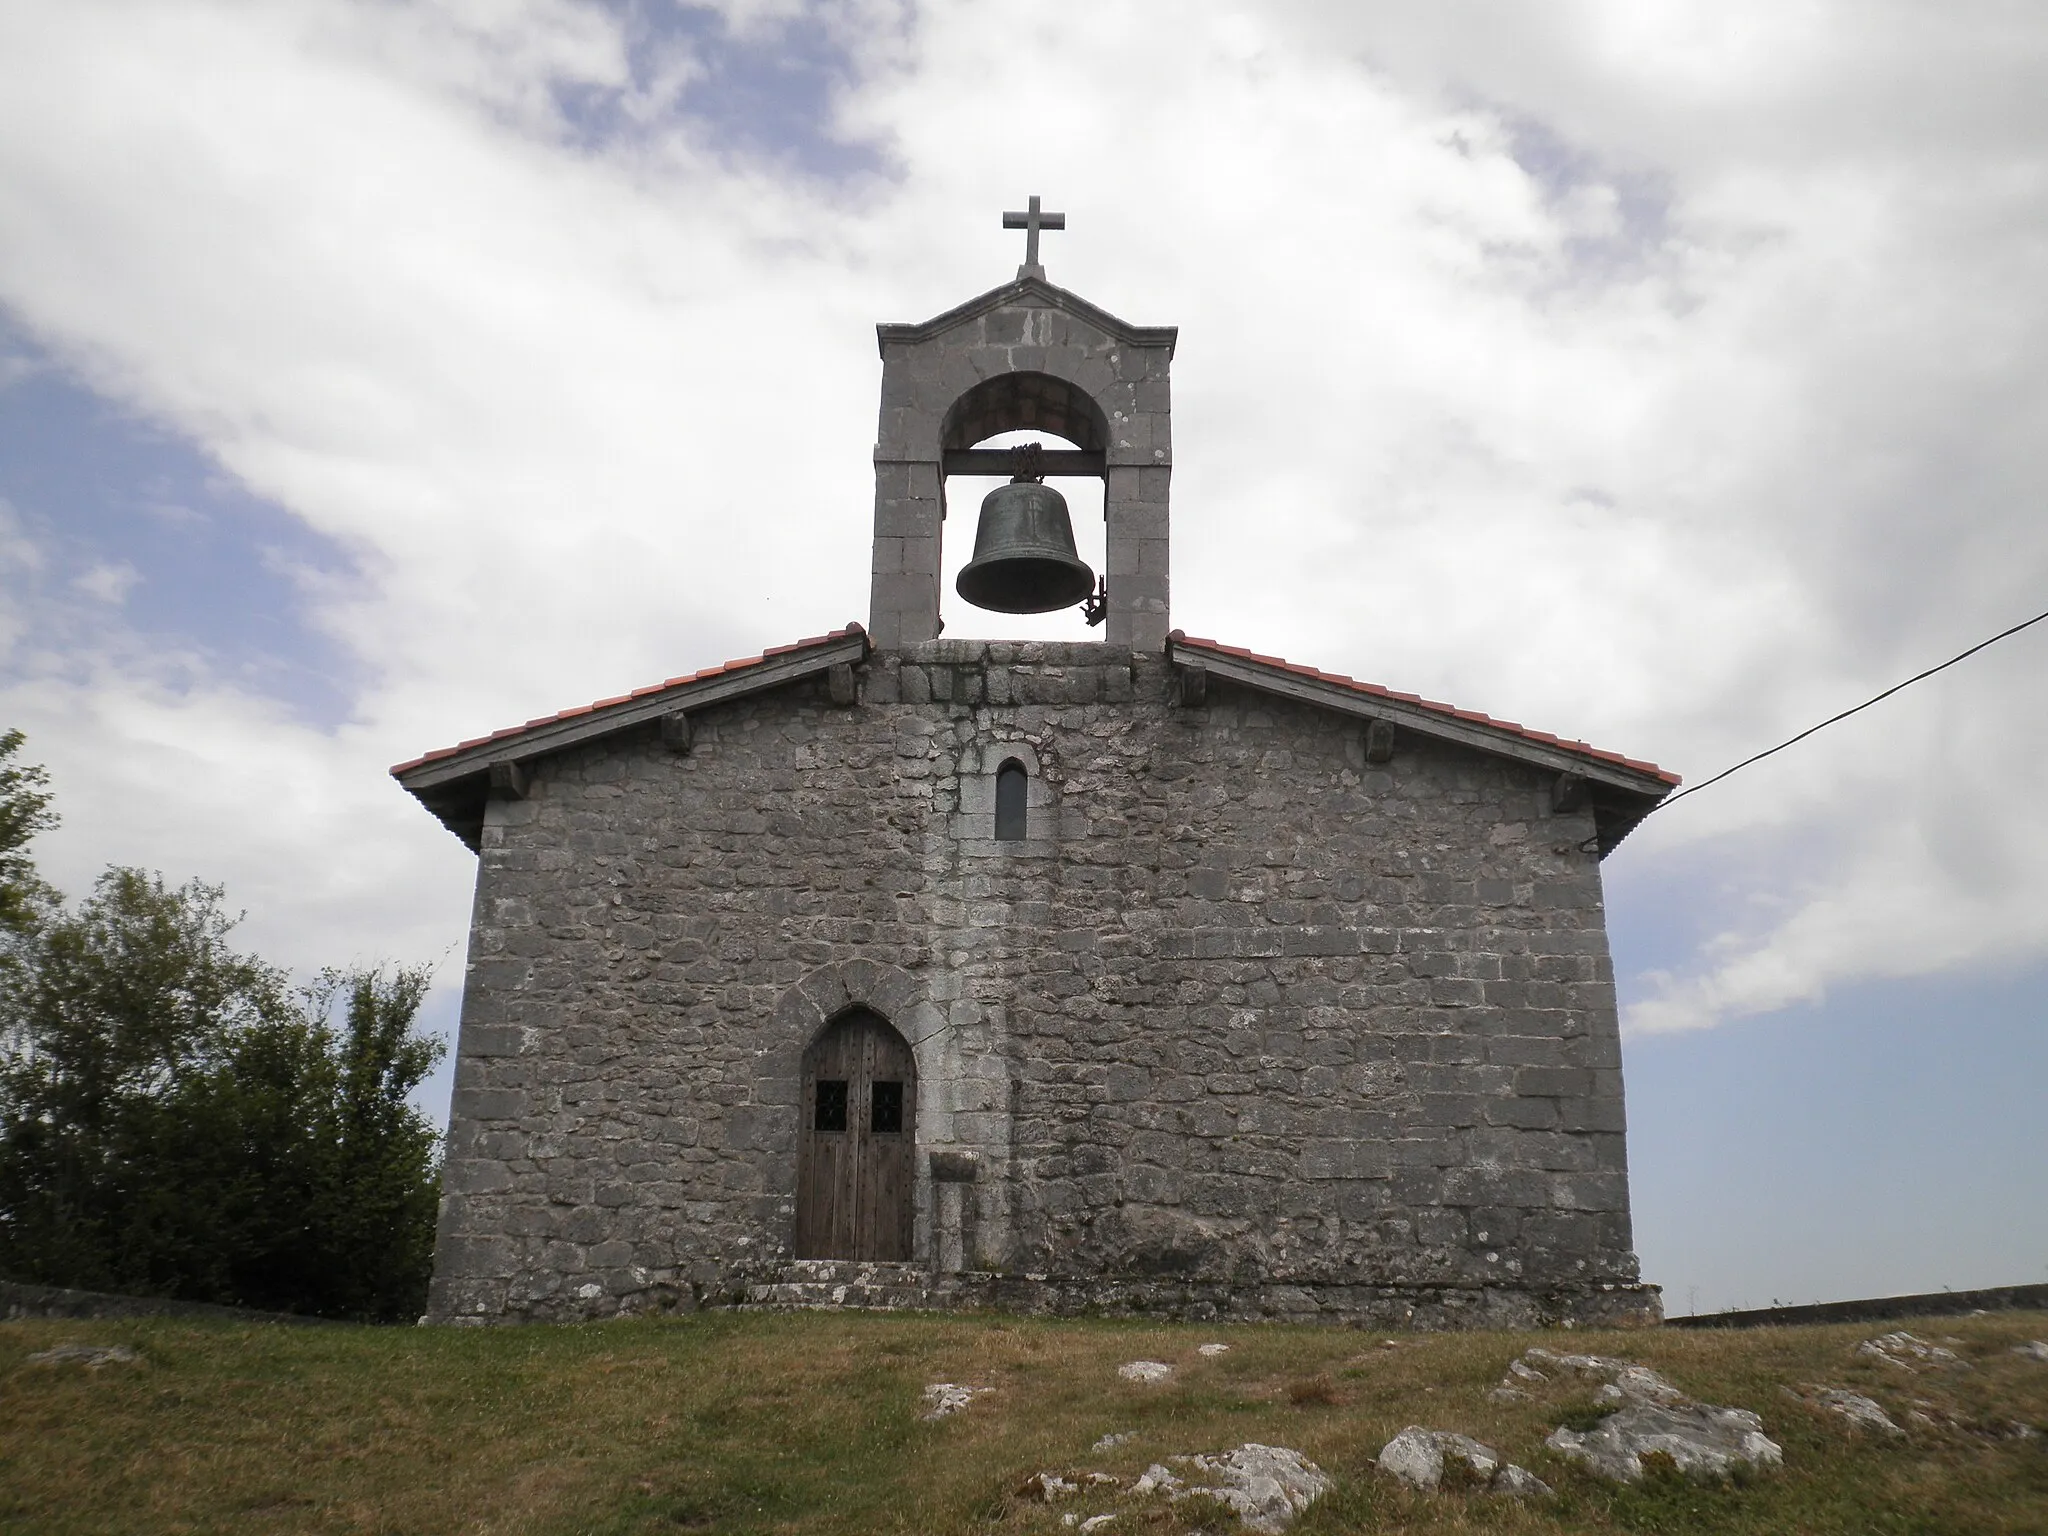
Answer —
373 375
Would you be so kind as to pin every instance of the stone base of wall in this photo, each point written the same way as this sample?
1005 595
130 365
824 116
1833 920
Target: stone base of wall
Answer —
806 1284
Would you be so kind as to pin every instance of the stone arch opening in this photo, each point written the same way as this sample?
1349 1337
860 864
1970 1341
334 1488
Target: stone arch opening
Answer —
1025 402
977 437
857 1142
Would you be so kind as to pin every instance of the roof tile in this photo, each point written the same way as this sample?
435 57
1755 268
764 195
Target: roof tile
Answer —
626 698
1195 642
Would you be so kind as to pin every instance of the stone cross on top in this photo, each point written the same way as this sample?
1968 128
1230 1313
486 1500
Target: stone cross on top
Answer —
1031 222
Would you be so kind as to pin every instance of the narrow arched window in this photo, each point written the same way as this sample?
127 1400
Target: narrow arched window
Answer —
1011 783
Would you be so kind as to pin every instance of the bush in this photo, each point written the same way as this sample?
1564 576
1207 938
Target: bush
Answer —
175 1120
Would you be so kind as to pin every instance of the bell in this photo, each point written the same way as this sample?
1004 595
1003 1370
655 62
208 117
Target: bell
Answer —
1024 559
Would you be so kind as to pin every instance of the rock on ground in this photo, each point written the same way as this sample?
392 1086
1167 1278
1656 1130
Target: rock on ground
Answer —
1155 1479
1212 1350
1046 1487
947 1397
2033 1349
1907 1352
1853 1406
1701 1440
1626 1381
1267 1485
1148 1371
1111 1441
1517 1483
91 1356
1416 1456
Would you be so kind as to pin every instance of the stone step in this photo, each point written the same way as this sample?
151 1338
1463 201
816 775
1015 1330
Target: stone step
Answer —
828 1284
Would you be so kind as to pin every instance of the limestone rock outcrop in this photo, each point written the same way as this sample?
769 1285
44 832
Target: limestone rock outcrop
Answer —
1267 1485
945 1398
1861 1411
1418 1456
1146 1372
91 1356
1651 1417
1908 1353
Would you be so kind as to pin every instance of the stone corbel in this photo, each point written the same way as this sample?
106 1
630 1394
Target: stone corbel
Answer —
1190 685
1568 794
956 1167
509 780
840 680
1379 742
677 733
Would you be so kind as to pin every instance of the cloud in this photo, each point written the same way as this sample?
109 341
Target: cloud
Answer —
108 582
1669 378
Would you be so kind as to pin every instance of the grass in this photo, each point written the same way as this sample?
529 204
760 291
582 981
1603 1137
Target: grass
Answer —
809 1422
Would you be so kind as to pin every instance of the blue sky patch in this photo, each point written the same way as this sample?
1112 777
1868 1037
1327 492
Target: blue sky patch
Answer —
142 535
766 91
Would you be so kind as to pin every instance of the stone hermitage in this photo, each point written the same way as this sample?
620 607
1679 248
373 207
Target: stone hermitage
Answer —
1279 994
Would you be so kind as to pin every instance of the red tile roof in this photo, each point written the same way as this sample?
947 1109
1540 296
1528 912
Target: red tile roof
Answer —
1193 642
638 693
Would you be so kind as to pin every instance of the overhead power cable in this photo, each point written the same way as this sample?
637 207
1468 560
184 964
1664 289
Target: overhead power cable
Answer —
2003 634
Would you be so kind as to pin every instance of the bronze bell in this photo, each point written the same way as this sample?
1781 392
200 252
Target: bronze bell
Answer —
1024 558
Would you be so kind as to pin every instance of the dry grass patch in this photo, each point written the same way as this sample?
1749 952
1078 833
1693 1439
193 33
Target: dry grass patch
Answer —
810 1422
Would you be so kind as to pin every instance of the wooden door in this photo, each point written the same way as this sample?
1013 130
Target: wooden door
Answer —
856 1144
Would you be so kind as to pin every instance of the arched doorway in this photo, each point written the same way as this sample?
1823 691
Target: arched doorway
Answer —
857 1142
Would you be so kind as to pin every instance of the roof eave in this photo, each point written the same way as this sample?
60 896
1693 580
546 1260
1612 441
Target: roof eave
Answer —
454 784
1622 792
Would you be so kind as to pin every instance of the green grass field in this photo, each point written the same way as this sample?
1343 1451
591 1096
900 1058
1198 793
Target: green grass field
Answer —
809 1422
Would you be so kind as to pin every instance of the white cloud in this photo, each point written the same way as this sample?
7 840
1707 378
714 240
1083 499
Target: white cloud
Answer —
1666 377
109 581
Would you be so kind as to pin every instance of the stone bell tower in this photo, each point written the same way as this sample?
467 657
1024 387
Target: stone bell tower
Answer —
1025 356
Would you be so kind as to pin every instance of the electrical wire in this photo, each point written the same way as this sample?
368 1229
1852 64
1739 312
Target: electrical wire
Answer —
1693 789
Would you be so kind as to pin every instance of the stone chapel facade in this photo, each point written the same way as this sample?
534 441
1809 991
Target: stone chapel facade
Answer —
1137 974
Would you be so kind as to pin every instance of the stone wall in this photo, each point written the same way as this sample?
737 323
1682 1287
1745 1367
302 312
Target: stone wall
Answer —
1244 1025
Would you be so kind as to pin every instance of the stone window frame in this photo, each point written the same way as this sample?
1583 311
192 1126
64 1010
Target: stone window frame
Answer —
974 824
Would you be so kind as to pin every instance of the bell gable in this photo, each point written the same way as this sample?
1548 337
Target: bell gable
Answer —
1025 356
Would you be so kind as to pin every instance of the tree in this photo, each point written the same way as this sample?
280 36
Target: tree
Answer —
24 811
116 1019
176 1120
382 1189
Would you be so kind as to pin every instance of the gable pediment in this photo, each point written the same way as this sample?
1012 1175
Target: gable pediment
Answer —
1027 293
